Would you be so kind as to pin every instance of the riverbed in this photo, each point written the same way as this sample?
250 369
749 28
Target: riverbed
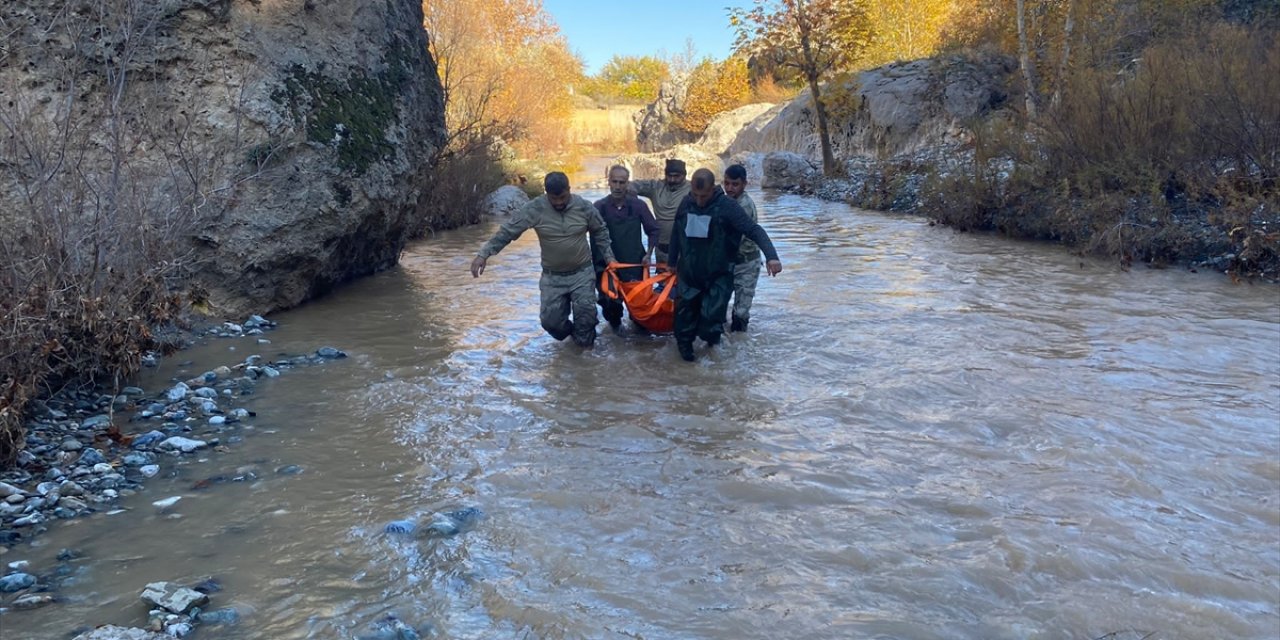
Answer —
924 434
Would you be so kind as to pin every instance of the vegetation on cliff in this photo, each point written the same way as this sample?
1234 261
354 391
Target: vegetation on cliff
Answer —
1149 130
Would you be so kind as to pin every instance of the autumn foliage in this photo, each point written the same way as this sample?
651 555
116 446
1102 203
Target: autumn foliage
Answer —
714 88
506 71
1139 116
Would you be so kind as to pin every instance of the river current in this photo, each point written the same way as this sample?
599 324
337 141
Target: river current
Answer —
924 434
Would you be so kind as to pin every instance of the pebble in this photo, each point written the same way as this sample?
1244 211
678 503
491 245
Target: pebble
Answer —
178 629
166 503
71 445
227 615
149 470
26 521
96 422
16 582
186 445
32 601
73 504
217 420
289 470
330 353
92 457
177 392
147 439
138 459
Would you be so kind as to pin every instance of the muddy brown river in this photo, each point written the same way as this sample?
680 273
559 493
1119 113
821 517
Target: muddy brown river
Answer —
925 435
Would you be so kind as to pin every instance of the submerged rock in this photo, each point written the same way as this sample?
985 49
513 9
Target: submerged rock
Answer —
16 582
113 632
173 597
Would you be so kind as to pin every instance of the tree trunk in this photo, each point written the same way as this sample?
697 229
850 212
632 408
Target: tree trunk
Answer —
829 167
1064 65
1024 61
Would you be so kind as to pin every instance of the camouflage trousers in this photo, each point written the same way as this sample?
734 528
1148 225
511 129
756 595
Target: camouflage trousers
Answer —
566 293
745 277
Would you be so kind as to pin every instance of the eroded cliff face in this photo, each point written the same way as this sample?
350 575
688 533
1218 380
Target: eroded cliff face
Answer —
896 109
293 136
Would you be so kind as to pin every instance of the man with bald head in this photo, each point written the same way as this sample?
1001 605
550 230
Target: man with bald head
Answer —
706 240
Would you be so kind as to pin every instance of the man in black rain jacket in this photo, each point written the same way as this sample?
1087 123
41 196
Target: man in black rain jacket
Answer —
705 241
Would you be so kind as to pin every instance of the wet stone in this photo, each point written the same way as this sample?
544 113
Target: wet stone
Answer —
96 422
147 439
139 459
227 616
71 445
330 353
207 585
173 597
177 392
16 582
92 457
32 601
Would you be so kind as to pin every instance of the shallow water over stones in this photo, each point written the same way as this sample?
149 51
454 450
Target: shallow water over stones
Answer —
925 435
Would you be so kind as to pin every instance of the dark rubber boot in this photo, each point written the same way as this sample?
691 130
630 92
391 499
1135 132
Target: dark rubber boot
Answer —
738 324
686 351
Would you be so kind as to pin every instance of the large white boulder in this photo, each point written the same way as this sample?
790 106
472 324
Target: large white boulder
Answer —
725 127
784 170
505 201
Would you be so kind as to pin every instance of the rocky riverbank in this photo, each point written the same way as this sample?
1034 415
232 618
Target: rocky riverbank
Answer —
1143 231
85 450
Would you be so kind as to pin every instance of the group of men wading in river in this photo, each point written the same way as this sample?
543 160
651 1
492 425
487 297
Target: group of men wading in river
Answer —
707 234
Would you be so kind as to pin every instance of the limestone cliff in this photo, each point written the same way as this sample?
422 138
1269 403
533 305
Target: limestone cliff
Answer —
296 134
896 109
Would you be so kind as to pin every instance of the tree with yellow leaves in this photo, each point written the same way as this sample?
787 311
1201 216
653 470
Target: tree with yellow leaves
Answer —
815 37
714 88
505 68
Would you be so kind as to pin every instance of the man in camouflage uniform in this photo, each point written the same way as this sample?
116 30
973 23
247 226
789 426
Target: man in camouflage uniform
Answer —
666 196
562 221
746 273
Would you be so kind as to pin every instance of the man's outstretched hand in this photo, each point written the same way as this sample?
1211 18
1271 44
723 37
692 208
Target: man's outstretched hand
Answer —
477 266
774 267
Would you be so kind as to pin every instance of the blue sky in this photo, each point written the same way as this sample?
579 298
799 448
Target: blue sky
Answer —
597 30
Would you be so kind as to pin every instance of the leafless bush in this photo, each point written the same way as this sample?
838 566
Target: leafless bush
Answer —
1176 153
102 186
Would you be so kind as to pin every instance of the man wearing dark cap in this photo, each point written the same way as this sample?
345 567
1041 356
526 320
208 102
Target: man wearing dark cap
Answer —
562 221
706 241
666 196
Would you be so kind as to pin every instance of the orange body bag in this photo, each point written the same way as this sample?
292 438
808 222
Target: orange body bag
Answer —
653 310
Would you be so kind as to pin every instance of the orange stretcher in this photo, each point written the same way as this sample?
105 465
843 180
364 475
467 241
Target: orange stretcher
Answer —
653 310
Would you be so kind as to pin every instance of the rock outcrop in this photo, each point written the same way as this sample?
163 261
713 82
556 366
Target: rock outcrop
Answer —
505 201
645 166
787 170
724 128
300 132
655 124
896 109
